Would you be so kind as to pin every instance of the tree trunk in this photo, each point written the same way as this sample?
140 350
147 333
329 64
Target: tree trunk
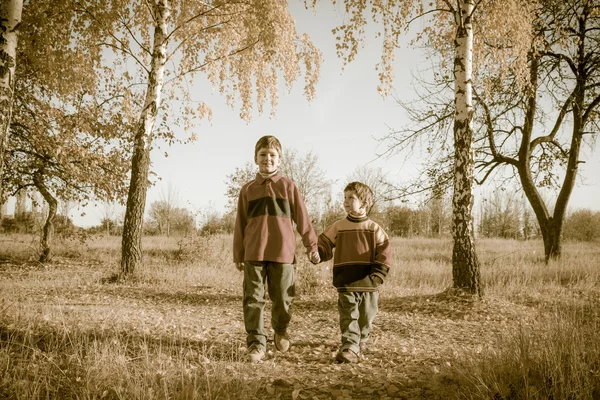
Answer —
551 234
465 265
47 232
551 225
10 17
21 203
131 251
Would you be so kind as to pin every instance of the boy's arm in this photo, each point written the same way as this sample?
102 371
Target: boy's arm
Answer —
383 255
326 247
238 231
302 220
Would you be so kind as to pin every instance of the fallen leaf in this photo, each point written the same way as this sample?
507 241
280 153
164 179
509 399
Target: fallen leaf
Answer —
282 383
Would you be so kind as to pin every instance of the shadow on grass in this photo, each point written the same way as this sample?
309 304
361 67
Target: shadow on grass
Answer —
51 342
65 360
191 295
446 304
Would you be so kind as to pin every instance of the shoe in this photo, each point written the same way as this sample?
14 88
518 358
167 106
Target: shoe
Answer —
282 341
346 356
363 347
255 354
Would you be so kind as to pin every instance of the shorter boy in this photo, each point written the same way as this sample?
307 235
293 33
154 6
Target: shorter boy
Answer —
264 246
361 262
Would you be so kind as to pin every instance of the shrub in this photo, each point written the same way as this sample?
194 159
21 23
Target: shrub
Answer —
582 225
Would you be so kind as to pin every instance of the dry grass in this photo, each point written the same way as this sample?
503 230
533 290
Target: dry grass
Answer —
175 331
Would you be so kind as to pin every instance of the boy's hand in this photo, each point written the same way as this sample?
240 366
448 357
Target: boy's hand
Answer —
377 279
314 257
239 266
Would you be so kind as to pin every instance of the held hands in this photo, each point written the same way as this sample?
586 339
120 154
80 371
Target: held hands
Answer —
314 257
239 266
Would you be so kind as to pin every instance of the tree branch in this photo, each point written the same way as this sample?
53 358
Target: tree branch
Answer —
559 119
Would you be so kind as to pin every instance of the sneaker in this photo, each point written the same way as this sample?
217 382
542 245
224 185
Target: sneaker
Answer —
346 356
363 347
282 341
255 354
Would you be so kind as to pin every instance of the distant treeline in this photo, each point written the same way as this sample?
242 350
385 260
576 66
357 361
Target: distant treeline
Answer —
494 220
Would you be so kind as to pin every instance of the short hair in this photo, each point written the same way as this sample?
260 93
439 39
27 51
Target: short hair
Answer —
267 141
363 192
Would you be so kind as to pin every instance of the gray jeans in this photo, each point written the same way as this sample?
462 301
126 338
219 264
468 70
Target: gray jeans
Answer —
279 279
357 311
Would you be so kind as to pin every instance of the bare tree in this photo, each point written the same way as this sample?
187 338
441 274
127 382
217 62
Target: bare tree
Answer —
108 215
304 170
377 180
564 72
235 181
170 199
500 216
169 219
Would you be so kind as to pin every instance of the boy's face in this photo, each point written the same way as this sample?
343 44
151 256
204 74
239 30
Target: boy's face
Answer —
267 159
352 204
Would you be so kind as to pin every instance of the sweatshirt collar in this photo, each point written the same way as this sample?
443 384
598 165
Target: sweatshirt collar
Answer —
353 218
275 177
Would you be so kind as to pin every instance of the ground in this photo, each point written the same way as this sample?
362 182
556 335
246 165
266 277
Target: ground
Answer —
410 355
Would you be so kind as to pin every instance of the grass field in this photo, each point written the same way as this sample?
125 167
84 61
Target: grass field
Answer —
175 330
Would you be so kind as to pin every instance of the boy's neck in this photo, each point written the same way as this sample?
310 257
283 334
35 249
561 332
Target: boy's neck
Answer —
268 175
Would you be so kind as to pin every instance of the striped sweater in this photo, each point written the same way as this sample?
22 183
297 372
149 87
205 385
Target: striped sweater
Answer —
362 256
263 226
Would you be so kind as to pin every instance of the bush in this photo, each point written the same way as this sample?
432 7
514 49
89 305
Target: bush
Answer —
209 249
23 223
582 225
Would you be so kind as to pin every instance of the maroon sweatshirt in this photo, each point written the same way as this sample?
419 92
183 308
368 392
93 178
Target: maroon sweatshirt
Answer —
263 226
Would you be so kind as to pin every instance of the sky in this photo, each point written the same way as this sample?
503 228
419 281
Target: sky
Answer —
342 126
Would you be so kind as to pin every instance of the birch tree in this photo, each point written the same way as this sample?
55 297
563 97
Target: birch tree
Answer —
10 17
538 130
449 29
67 129
242 48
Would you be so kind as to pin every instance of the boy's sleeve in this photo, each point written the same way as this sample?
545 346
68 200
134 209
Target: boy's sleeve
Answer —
302 220
383 255
240 226
326 247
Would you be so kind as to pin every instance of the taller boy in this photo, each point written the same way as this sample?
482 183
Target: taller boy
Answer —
264 246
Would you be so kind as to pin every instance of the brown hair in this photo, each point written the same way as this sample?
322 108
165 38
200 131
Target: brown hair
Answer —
267 142
363 192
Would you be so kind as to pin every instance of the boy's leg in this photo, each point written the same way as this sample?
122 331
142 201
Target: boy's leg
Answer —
254 303
348 308
280 282
367 311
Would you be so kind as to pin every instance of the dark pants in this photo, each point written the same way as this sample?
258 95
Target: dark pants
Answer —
357 311
279 279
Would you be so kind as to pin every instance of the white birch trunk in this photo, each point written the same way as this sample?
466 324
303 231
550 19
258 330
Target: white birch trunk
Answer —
465 266
131 251
10 17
